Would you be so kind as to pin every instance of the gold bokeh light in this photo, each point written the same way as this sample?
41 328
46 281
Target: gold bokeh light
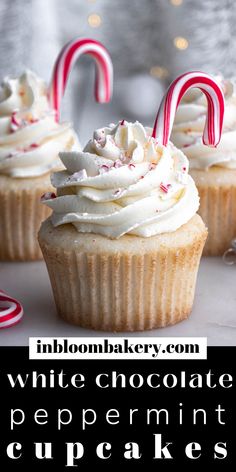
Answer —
159 72
181 43
94 20
176 3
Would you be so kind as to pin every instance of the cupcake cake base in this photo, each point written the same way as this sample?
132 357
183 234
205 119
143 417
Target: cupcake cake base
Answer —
129 284
21 214
217 191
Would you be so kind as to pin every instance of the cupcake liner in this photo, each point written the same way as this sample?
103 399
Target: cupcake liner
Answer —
21 214
217 209
120 290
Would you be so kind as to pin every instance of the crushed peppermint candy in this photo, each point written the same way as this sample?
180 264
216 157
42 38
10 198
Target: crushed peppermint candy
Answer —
33 120
131 166
152 166
117 192
77 176
103 169
12 154
30 147
48 196
184 169
14 119
15 124
165 188
13 127
117 164
122 123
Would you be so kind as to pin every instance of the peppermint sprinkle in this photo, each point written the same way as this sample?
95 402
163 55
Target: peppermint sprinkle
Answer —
117 164
14 121
48 196
184 169
131 166
33 120
103 169
14 127
117 192
12 154
77 176
30 147
15 124
152 166
122 123
164 187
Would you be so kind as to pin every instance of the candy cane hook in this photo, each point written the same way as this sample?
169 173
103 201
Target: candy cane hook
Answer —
65 61
215 113
11 311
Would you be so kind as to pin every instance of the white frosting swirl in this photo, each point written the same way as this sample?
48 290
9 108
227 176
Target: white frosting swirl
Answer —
189 125
30 138
124 182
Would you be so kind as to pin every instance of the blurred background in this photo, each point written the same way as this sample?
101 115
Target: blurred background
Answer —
151 41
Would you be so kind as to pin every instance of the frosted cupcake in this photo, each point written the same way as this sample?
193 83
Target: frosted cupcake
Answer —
30 140
124 242
213 169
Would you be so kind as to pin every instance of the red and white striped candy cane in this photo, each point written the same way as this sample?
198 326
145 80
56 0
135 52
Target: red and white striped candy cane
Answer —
215 112
65 61
11 311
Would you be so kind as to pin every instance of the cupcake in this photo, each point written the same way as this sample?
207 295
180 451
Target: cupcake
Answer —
123 244
30 140
213 169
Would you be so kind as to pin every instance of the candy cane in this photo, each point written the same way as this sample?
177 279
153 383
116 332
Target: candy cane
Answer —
11 311
65 61
215 112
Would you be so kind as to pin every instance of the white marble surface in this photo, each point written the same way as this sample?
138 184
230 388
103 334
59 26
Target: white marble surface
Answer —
213 315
